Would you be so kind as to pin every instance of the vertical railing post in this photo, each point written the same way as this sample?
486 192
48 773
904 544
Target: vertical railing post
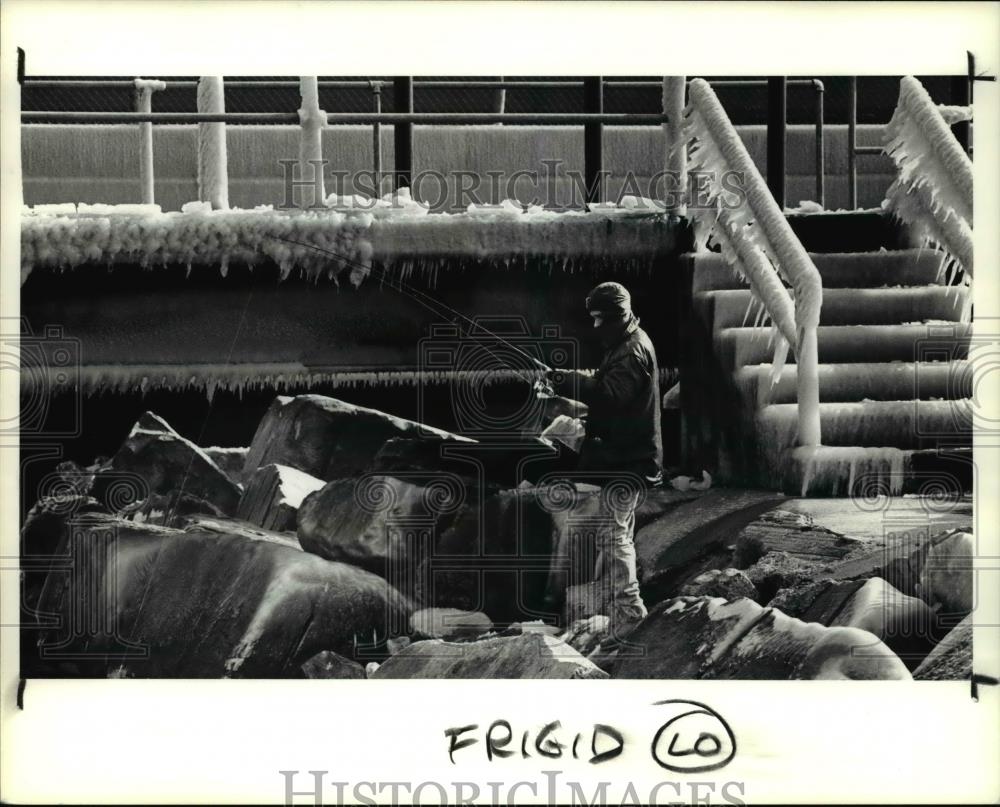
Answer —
500 100
675 185
312 121
777 104
144 90
593 135
402 99
213 172
820 153
852 143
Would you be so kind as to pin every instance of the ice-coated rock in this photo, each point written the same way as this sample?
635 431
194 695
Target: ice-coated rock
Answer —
154 459
327 664
381 523
328 438
273 494
730 584
204 604
230 460
450 624
951 660
586 635
710 638
946 573
530 655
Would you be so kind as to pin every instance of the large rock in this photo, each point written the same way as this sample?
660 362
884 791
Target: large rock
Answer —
515 555
946 575
167 603
530 655
951 660
779 570
793 533
273 494
730 584
381 523
710 638
154 459
449 624
327 664
230 460
328 438
904 623
694 537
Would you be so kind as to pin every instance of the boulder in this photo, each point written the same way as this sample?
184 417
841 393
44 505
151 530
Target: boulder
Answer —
327 664
449 624
793 533
905 624
328 438
586 635
380 523
232 526
230 460
530 655
951 660
730 584
779 570
172 509
535 541
155 459
203 604
945 579
273 494
708 637
694 537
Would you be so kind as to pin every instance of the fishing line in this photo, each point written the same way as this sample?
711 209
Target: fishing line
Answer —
413 293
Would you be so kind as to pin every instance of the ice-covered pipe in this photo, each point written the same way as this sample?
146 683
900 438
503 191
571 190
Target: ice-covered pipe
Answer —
757 216
144 89
213 174
313 121
676 147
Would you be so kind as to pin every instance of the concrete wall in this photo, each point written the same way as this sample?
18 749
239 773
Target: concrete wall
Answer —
69 163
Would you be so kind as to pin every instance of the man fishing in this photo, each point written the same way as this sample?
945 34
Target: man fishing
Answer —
622 446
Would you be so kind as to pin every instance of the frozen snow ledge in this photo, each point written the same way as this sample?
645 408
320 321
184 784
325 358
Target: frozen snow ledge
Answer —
328 241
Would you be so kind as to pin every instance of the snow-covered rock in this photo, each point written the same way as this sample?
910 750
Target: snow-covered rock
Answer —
730 584
273 495
530 655
449 624
710 638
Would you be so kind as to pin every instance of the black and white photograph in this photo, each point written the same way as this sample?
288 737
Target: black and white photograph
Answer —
348 376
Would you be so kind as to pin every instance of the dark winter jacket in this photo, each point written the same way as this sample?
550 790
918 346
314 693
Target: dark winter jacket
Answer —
623 397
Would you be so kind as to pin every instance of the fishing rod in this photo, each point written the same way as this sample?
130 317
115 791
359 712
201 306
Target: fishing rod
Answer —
412 293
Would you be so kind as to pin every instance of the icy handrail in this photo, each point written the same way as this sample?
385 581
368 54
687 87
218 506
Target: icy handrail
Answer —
757 240
933 191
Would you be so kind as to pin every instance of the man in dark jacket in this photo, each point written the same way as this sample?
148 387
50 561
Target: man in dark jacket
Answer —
622 450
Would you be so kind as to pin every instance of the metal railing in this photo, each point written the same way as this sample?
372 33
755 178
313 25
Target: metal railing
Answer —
404 117
763 253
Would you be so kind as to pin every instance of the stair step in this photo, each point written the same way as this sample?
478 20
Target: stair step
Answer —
843 344
894 381
847 231
886 424
732 308
904 267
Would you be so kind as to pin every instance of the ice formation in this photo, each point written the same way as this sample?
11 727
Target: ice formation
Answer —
351 233
312 120
933 192
213 172
753 230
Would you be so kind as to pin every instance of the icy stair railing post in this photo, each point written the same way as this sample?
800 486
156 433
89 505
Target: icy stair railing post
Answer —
757 241
213 173
933 192
312 120
144 89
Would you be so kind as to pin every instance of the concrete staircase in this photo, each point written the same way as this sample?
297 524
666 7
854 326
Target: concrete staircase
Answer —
894 376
